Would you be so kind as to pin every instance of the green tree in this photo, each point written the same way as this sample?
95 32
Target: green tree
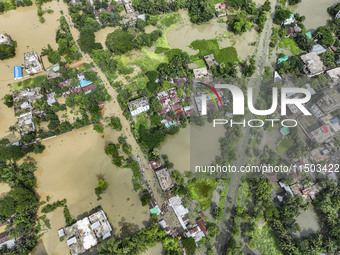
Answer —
8 100
145 198
6 51
189 245
240 23
120 42
98 128
101 187
115 123
200 11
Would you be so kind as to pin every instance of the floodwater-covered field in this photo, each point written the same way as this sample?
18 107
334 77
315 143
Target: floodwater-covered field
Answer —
69 168
185 33
315 12
179 149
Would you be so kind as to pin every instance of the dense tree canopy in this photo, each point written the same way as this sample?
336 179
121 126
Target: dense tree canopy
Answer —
120 42
6 51
200 11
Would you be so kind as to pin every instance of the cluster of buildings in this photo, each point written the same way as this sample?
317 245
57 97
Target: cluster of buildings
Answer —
23 107
31 63
196 231
313 64
131 15
170 102
307 192
84 85
177 209
86 233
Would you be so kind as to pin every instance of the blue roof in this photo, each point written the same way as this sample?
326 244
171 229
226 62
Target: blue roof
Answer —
17 70
335 120
83 83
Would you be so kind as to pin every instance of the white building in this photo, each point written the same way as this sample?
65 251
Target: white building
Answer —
32 63
180 211
138 106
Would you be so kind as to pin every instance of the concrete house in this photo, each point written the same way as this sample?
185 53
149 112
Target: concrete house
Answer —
313 64
31 63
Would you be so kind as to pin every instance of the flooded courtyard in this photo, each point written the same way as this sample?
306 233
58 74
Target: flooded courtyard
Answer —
185 33
69 168
315 12
204 147
308 221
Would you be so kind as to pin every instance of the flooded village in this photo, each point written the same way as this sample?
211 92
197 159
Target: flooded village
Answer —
74 159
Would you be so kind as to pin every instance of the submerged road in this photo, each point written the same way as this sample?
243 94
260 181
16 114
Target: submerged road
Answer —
255 81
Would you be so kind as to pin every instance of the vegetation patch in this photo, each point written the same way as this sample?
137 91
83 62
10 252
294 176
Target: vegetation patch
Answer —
265 241
51 207
290 44
170 19
222 55
284 145
203 191
149 61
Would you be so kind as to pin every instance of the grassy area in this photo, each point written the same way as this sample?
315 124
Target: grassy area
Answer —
169 19
284 145
200 63
223 197
222 55
290 44
149 61
203 191
38 81
265 241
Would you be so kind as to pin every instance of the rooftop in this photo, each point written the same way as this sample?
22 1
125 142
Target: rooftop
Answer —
210 60
334 74
313 64
32 63
164 178
138 106
83 235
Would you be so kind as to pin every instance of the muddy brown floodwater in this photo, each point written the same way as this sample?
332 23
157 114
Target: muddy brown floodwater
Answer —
315 12
24 27
68 168
206 144
101 35
185 33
